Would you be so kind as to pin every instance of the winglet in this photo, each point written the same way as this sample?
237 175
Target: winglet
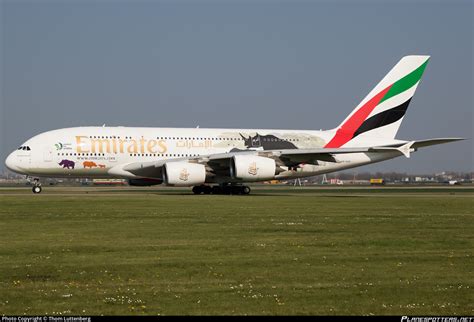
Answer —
406 149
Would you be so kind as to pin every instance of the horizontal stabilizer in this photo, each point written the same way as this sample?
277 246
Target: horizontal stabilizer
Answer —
423 143
409 147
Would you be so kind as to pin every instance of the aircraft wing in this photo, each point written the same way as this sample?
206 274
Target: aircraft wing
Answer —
327 155
219 163
290 157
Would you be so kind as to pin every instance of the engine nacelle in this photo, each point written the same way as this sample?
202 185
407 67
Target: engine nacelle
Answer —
144 182
184 174
252 168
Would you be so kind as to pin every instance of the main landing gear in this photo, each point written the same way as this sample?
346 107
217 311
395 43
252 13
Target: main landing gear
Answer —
222 190
36 186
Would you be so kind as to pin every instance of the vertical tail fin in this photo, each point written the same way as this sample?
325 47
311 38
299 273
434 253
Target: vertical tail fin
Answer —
381 112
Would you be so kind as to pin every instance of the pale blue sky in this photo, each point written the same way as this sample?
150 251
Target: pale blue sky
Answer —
245 64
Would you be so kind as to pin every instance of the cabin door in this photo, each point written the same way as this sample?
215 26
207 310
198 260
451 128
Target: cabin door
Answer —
48 155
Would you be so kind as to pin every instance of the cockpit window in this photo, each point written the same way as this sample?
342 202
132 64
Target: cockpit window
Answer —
24 148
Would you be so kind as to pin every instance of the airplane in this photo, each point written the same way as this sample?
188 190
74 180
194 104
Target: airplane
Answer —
221 161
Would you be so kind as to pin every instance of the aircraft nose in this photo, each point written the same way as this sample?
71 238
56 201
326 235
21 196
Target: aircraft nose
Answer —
11 162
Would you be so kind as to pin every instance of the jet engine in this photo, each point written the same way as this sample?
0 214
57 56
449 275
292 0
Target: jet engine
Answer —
184 174
252 168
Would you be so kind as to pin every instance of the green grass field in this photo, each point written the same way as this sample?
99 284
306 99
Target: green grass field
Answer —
109 251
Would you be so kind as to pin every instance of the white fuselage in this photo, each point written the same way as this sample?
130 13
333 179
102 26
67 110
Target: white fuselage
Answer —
93 151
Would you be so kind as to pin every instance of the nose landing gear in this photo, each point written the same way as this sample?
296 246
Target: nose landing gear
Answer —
36 186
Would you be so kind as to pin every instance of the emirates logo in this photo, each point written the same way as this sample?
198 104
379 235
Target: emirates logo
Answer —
184 175
253 169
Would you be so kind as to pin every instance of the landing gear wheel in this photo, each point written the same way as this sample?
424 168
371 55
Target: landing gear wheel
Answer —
36 189
36 186
216 190
221 190
197 190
